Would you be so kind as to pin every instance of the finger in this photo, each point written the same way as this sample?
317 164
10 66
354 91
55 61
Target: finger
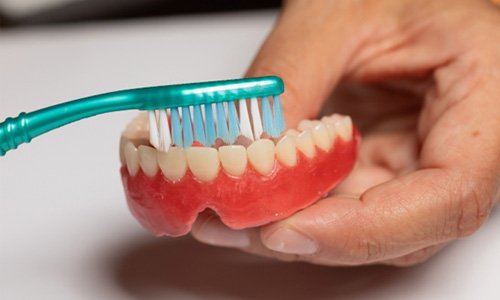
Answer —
416 257
210 230
308 49
389 221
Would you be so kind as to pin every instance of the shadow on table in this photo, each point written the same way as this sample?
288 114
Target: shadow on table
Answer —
159 268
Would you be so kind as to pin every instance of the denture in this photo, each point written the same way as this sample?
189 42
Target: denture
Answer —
246 184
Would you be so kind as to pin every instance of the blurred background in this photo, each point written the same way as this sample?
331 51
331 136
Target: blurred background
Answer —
15 13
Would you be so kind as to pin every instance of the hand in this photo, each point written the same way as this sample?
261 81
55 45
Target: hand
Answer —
422 79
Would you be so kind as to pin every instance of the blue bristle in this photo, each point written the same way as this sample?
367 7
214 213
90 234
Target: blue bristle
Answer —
221 123
176 127
199 131
209 124
186 127
267 117
234 129
279 120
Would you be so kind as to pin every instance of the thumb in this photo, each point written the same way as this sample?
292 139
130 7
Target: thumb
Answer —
308 48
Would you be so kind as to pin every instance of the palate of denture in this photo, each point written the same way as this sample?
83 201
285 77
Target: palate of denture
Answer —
203 162
321 137
286 151
173 163
261 156
147 160
131 158
233 159
305 143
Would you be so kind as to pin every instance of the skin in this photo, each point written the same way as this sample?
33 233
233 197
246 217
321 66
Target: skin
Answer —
422 80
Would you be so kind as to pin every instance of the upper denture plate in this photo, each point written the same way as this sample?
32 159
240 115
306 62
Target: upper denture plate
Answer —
261 156
233 159
321 137
203 162
173 163
286 151
343 128
147 160
305 143
131 158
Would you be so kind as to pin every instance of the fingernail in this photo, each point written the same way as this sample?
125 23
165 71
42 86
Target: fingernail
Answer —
290 241
215 233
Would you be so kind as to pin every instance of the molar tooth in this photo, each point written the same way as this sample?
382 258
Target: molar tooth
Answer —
132 158
147 160
203 162
321 137
286 151
305 143
344 128
261 156
173 163
233 159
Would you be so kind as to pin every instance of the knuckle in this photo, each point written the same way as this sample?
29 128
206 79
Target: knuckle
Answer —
473 205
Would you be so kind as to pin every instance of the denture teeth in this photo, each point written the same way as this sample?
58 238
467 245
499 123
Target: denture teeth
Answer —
343 128
147 160
331 131
286 151
292 132
305 143
132 158
173 163
305 124
261 156
233 159
203 162
321 137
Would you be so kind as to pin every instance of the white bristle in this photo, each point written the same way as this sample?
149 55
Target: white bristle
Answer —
153 129
256 119
165 138
245 126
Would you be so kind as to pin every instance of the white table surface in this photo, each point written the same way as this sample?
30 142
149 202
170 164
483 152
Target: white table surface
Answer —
65 230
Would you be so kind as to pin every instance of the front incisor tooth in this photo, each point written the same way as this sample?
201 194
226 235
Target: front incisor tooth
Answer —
343 128
233 159
173 163
203 162
321 137
305 143
261 156
286 151
131 158
147 160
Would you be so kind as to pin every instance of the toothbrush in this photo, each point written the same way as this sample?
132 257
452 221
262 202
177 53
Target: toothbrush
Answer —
199 112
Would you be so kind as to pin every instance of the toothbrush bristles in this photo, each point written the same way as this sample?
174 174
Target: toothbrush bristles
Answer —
267 117
209 125
234 130
256 120
200 123
199 130
187 129
222 131
245 126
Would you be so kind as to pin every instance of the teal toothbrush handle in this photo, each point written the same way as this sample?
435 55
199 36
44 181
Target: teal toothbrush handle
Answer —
21 129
